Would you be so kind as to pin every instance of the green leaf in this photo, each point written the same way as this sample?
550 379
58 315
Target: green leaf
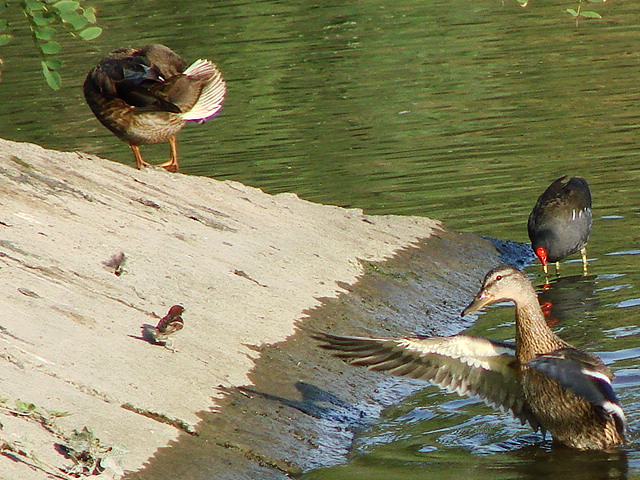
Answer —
24 407
590 14
571 11
66 6
42 18
3 24
4 39
57 413
90 33
53 63
90 14
50 48
33 5
77 21
45 33
53 78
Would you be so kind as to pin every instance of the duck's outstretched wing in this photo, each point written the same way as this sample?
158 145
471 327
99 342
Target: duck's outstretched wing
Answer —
586 376
470 366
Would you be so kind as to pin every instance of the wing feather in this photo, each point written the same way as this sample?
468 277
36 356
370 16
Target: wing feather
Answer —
468 366
213 91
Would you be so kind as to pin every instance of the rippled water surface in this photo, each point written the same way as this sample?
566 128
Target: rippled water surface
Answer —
457 110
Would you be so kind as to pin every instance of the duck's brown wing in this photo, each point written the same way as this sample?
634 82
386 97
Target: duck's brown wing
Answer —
132 80
201 93
586 376
470 366
147 100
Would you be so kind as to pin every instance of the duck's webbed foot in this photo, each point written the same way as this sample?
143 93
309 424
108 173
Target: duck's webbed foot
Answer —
172 164
138 156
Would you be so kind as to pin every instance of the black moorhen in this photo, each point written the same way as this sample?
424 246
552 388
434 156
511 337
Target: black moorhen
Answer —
560 222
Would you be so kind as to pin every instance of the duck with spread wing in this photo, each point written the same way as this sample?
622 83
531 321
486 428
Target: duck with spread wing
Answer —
542 380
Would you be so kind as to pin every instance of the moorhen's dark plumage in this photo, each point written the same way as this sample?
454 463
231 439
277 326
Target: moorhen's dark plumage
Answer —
145 95
560 222
542 380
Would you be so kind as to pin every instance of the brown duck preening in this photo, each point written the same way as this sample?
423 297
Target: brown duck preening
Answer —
146 95
542 380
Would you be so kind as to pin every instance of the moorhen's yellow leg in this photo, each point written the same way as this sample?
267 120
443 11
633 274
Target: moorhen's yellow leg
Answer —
557 269
136 153
172 164
583 252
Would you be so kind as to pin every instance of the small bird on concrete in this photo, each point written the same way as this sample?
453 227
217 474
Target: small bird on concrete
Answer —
116 264
168 325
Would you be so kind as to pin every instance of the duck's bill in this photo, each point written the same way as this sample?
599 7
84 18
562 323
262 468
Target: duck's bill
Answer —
481 300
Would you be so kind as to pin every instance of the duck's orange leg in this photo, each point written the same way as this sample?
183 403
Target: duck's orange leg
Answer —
172 164
136 153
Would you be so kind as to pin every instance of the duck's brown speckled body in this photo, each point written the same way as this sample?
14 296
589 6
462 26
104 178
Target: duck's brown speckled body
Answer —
145 95
542 380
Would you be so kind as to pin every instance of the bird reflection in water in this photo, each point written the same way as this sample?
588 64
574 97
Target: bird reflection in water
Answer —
566 298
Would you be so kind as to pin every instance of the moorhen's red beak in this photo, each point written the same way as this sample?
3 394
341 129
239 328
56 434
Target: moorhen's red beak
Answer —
541 253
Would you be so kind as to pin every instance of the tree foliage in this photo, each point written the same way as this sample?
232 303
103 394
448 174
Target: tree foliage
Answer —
45 20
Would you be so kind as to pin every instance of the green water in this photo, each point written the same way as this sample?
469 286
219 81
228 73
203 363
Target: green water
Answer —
458 110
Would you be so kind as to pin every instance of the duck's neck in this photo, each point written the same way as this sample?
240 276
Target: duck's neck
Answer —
533 336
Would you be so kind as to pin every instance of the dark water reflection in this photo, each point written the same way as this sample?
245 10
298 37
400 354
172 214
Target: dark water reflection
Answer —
457 110
529 462
568 297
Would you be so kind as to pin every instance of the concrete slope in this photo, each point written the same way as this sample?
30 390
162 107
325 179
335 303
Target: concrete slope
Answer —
245 265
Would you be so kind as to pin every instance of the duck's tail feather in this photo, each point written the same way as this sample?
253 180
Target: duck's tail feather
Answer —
213 91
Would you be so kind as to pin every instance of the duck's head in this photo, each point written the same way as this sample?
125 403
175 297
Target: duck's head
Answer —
502 283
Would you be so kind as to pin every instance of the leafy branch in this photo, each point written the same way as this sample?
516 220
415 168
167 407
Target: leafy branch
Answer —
579 13
45 18
576 13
